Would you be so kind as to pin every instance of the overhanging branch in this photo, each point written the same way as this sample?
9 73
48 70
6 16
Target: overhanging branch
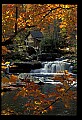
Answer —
58 98
11 37
52 9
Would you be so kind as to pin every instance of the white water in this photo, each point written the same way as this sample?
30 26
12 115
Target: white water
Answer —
49 69
53 67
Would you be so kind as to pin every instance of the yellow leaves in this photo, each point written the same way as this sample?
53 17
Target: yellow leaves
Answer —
2 93
37 103
67 105
66 71
3 68
63 23
36 12
68 6
7 12
61 90
8 111
44 111
7 17
7 63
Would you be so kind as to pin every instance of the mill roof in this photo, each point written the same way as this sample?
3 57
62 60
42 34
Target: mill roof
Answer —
36 34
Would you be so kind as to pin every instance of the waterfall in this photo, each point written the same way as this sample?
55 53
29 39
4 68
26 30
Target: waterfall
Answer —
58 67
70 68
50 69
54 67
67 65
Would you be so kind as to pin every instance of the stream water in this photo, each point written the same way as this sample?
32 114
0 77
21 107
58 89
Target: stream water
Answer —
49 69
53 67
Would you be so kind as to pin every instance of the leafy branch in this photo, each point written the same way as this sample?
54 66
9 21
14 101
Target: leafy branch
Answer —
58 98
49 11
12 36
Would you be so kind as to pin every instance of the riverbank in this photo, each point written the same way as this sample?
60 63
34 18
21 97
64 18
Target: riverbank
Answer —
18 105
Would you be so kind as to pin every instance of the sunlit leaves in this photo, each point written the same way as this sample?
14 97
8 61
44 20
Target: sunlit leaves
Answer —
50 107
8 111
40 15
5 50
5 80
39 103
13 78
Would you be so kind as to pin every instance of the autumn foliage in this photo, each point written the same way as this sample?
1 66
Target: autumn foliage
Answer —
39 103
40 15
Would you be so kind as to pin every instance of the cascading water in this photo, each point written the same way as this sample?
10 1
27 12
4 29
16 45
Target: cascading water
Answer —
51 67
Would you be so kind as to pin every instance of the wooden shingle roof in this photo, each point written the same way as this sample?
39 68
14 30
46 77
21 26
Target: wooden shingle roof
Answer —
36 34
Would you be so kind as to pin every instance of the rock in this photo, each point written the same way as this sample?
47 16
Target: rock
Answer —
25 67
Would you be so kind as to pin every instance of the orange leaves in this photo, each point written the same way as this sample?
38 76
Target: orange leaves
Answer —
66 85
13 78
61 90
64 91
51 107
20 93
39 14
39 103
28 7
43 95
4 50
27 104
10 5
5 80
61 26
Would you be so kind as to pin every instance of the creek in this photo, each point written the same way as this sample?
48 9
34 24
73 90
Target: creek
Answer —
49 69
